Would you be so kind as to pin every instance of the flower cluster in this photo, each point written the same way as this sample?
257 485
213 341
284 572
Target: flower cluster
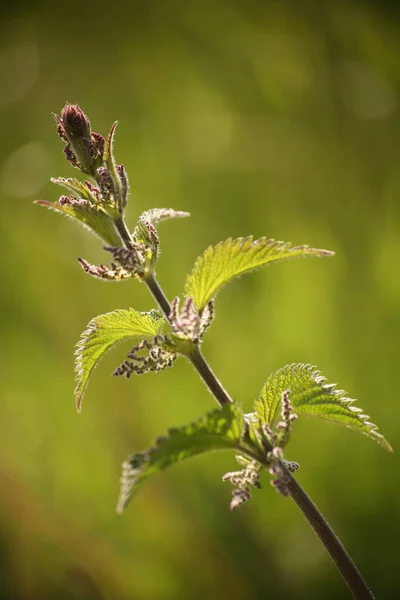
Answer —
187 322
156 359
91 153
244 480
276 440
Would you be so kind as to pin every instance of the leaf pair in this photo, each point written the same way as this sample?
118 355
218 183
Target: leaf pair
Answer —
223 429
217 266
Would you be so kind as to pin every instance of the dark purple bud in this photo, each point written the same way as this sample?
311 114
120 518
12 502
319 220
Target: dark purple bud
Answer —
124 185
83 148
94 190
106 183
98 142
70 156
74 121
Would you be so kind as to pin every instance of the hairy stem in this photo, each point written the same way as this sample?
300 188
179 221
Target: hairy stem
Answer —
123 232
196 357
159 296
340 557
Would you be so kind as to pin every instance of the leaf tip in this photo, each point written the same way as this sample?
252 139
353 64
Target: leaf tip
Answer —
78 401
43 203
387 446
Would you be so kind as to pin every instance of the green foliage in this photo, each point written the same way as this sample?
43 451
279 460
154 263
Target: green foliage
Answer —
154 216
310 394
92 216
221 263
105 331
220 429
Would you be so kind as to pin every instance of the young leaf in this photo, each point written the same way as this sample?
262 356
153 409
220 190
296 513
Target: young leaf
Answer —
310 394
90 216
219 430
76 187
227 260
105 331
154 216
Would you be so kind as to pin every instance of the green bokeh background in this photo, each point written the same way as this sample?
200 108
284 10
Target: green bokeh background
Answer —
264 118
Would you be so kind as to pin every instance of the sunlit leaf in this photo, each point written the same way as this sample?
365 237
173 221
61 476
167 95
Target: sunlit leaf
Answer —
221 263
154 216
76 187
219 430
310 394
90 216
105 331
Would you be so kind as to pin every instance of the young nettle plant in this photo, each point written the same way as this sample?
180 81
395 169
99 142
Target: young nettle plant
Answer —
161 335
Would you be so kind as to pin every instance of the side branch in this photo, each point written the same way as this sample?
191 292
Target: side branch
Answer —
340 557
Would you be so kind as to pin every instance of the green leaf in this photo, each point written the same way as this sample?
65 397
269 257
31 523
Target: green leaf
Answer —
219 430
154 216
234 257
90 216
310 394
76 187
105 331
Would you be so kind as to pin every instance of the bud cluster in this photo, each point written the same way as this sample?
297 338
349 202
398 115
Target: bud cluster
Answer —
275 441
91 153
131 260
156 359
187 322
84 148
112 273
243 480
207 317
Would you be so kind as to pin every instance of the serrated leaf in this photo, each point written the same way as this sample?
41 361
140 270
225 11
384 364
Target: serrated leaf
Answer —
76 187
154 216
310 394
220 429
105 331
92 217
221 263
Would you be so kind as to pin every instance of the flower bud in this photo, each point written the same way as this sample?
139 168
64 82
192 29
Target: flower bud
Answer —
74 121
83 149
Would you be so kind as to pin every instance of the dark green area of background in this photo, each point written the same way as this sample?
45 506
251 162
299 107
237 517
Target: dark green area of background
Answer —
265 118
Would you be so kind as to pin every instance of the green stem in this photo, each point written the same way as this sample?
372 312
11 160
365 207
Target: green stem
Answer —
340 557
123 232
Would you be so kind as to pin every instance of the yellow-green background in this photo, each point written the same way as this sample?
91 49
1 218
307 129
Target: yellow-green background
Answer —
264 118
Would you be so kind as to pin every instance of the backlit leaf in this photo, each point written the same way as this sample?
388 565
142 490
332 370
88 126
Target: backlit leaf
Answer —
221 263
90 216
310 394
220 429
105 331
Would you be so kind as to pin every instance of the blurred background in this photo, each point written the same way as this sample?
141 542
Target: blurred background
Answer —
265 118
